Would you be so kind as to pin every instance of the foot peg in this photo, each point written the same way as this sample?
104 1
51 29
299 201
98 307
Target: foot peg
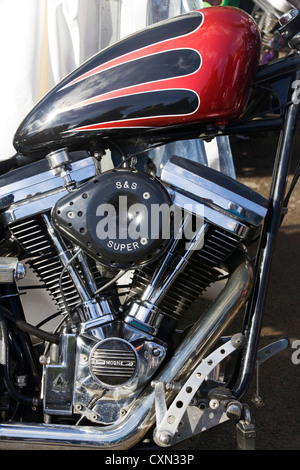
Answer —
170 420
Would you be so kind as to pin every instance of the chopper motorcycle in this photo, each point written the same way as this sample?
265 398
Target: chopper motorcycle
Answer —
125 250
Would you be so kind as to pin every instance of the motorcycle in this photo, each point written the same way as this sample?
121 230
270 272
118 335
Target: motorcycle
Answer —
125 248
267 15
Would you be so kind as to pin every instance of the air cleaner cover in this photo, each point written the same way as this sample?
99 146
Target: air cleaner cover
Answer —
115 218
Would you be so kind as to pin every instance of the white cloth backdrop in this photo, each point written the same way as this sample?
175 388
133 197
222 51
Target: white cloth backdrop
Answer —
21 39
41 41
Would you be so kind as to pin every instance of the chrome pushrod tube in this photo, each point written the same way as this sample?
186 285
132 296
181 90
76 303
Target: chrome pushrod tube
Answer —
127 433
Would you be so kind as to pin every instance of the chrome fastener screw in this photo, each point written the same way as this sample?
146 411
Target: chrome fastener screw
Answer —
164 438
156 352
214 404
84 358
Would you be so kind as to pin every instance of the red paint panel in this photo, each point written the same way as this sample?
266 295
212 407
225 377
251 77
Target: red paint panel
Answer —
228 42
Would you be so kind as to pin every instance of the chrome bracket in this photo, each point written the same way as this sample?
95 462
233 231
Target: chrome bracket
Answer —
170 420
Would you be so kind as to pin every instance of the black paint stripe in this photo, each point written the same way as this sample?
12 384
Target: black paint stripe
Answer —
146 105
163 66
170 29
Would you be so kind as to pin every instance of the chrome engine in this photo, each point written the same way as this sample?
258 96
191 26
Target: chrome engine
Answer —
121 299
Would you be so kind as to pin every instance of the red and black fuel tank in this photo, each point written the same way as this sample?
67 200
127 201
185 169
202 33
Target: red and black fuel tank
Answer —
193 68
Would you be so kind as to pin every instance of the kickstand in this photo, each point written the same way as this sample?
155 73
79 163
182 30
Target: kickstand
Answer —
245 430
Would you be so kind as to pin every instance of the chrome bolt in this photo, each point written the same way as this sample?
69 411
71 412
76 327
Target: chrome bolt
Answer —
84 358
164 438
20 271
156 352
214 404
171 419
43 359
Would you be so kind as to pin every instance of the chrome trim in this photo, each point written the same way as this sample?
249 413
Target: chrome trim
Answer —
59 162
219 202
143 312
211 216
42 184
58 159
288 16
141 416
90 309
62 390
11 270
34 205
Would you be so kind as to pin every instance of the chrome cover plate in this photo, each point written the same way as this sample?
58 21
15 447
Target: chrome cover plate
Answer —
223 201
35 193
72 381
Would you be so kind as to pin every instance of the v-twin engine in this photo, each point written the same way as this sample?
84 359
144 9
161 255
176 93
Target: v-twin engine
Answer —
125 255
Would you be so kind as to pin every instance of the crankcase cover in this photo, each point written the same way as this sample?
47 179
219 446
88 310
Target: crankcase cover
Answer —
116 218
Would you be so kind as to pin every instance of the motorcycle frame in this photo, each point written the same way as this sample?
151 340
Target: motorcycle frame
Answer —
289 120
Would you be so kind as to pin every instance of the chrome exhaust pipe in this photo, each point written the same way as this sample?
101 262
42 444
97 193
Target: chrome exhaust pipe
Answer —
126 434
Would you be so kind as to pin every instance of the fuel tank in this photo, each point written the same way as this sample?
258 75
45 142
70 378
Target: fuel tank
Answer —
197 67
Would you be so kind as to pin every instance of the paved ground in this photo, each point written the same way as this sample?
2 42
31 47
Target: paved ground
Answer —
278 421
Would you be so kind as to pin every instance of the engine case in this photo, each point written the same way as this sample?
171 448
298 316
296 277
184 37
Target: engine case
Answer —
99 373
99 369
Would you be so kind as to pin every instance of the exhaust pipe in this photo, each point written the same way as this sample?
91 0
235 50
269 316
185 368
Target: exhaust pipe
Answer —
126 434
